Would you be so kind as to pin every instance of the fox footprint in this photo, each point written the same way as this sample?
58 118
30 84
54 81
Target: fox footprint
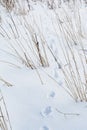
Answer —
47 111
44 128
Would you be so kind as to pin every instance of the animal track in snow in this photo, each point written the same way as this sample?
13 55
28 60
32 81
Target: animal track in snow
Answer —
44 128
52 94
47 111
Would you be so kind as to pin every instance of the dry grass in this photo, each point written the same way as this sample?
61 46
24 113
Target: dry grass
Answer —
74 69
8 4
5 123
25 44
30 48
5 82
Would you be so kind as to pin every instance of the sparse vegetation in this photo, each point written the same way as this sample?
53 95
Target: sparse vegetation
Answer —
27 43
74 68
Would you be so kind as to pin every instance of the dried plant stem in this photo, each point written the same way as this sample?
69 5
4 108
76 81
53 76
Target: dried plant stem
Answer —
67 114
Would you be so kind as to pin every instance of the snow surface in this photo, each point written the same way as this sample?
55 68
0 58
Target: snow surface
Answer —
33 105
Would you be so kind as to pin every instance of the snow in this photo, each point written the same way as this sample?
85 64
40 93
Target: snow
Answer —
33 102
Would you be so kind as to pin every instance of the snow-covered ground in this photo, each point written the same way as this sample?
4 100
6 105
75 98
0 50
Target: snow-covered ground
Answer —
37 100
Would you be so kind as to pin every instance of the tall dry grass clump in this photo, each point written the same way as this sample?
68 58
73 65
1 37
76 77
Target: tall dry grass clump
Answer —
5 123
74 63
25 43
8 4
4 116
